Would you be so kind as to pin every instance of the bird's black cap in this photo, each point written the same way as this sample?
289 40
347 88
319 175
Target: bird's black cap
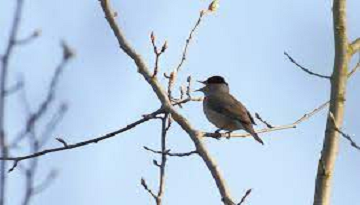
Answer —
215 80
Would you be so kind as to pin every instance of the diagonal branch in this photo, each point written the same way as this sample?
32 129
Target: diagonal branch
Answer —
356 68
166 104
346 136
355 46
188 40
50 96
247 193
83 143
305 69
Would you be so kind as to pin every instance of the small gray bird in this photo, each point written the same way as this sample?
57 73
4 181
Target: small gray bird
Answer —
223 110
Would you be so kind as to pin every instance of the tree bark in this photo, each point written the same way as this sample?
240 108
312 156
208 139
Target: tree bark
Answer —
337 102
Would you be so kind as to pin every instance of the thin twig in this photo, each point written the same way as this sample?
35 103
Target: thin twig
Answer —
305 69
146 187
13 89
82 143
346 136
356 67
168 153
263 121
188 40
355 46
29 38
157 52
162 166
247 193
45 183
51 125
47 102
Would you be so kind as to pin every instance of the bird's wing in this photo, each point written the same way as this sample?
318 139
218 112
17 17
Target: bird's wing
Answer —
230 107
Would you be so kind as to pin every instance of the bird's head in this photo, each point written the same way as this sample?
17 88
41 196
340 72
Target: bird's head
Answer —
213 85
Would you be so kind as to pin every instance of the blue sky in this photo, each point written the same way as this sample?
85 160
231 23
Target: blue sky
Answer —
244 41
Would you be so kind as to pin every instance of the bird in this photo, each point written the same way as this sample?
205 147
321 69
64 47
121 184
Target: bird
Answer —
223 110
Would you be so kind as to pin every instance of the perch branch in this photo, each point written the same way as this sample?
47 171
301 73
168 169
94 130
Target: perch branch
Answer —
274 128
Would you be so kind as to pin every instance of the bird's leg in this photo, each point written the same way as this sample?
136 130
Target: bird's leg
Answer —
228 134
218 130
218 134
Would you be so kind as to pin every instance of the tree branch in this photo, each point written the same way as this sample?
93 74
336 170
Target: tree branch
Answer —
83 143
46 103
355 46
356 68
188 40
168 153
346 136
247 193
166 104
305 69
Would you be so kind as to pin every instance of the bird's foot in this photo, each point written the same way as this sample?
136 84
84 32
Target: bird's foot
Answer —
228 134
218 130
217 134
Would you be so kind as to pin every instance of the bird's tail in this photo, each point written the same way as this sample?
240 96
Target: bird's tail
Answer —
256 137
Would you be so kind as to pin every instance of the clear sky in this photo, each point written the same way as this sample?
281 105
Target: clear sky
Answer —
244 41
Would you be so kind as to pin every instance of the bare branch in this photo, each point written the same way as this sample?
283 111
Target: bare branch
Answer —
188 40
168 153
50 96
157 52
29 38
13 89
356 68
355 46
263 121
305 69
186 100
245 196
62 141
166 104
274 128
143 183
83 143
51 125
162 166
346 136
4 63
45 183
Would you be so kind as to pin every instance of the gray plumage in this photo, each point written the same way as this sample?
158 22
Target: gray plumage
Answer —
223 110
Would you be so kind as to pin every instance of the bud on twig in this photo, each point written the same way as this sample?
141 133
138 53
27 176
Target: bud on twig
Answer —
67 51
152 37
213 6
164 47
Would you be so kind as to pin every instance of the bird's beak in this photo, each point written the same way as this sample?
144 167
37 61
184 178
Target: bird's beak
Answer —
199 90
203 82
